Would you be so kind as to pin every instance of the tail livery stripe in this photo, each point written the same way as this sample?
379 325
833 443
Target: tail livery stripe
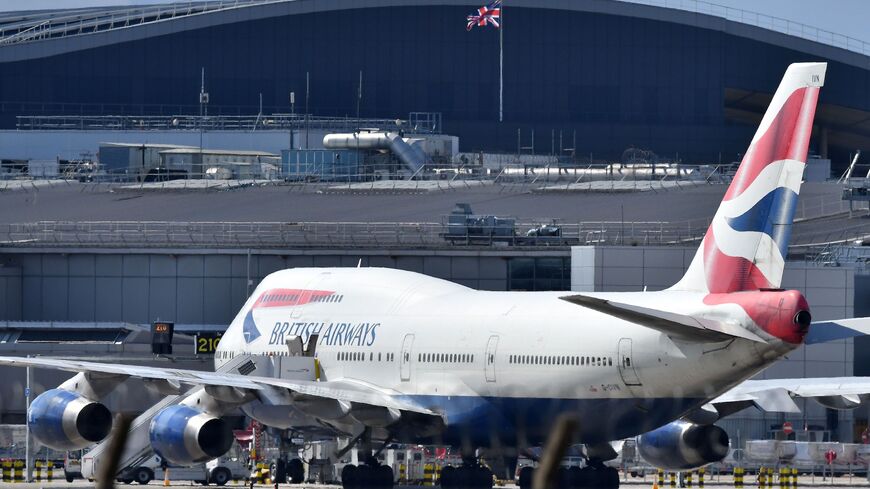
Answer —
747 242
767 216
787 138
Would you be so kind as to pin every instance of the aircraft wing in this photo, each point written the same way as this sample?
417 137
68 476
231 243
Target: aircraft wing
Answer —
838 329
356 395
777 395
675 325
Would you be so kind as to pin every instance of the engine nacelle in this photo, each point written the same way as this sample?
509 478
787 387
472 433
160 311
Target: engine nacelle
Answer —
681 445
184 435
64 420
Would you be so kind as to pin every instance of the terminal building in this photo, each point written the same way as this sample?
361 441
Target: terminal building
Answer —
583 79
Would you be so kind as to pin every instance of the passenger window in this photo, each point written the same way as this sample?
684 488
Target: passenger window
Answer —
609 361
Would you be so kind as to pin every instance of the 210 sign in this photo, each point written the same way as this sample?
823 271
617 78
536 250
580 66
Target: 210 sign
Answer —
207 343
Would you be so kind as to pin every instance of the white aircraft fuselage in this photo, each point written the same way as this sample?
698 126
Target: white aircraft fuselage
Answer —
498 362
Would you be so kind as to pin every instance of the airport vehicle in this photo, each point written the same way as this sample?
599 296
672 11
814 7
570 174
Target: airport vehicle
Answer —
72 465
382 355
219 471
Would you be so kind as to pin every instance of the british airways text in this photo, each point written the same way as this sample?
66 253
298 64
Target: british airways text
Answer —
339 334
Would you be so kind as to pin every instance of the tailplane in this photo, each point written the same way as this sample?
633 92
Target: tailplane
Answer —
747 242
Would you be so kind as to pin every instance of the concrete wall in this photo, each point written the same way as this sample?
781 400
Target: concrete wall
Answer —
829 290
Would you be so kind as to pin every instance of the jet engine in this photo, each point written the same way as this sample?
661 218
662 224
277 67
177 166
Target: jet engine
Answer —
65 420
681 445
184 435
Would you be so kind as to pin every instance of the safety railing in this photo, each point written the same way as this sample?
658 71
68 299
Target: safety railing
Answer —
769 22
187 122
118 234
32 27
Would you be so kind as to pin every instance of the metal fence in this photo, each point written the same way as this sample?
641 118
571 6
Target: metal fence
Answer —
145 234
225 122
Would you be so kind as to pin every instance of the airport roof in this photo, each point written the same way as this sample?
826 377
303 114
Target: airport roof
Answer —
66 30
145 145
189 150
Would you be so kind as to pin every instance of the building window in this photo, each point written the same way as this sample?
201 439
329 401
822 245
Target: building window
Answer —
542 273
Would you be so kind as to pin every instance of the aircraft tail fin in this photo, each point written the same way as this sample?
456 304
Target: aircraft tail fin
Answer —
747 241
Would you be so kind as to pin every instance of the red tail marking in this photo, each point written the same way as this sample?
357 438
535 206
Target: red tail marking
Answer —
787 138
772 311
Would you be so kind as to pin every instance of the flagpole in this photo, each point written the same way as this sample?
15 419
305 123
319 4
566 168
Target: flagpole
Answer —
501 65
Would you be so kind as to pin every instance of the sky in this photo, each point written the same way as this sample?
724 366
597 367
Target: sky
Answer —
847 17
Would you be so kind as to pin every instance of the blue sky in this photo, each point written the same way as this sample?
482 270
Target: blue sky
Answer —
847 17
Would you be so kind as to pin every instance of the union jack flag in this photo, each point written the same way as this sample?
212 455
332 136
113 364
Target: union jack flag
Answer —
488 14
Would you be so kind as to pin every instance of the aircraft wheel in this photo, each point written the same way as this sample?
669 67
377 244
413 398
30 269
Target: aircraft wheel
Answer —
611 478
295 471
525 478
384 476
447 477
143 475
349 479
482 478
575 475
220 476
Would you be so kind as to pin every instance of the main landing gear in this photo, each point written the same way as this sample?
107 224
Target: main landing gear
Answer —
467 476
367 476
593 476
370 474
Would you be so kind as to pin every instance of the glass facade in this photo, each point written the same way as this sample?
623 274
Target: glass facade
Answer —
613 81
539 273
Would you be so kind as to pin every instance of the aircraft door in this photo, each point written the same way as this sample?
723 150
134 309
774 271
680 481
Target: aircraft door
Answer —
626 363
489 358
405 357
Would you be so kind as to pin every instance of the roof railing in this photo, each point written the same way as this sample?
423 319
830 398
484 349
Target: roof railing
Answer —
59 24
770 22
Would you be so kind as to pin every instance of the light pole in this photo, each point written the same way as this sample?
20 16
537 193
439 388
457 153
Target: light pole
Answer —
307 93
203 111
